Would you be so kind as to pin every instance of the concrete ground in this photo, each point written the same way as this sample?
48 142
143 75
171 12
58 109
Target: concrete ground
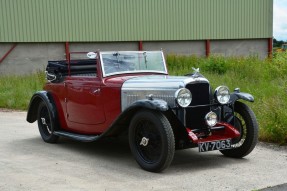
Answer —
27 163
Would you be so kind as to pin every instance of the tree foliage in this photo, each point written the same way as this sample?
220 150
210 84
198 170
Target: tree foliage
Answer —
277 43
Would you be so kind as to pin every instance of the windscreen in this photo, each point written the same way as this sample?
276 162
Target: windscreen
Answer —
132 62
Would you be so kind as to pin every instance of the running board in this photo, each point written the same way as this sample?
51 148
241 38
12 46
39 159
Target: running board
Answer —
78 137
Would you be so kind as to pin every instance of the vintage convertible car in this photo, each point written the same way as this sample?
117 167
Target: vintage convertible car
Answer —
112 93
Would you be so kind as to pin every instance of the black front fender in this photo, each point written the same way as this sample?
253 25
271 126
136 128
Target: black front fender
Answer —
241 95
155 104
122 122
36 99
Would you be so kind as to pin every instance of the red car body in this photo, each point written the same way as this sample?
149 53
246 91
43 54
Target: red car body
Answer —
82 99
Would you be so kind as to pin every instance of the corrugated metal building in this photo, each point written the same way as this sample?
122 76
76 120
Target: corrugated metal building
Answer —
34 31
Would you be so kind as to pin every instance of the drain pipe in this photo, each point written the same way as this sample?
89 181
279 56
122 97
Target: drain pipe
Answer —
140 45
67 50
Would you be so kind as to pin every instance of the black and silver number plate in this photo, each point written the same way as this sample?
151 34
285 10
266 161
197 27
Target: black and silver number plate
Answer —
214 145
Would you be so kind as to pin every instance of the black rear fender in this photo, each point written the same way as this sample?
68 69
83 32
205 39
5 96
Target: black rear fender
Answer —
37 98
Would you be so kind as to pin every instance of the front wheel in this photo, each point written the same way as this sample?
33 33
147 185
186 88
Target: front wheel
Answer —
151 140
46 124
246 124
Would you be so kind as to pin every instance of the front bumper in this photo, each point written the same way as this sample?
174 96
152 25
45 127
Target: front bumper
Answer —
221 131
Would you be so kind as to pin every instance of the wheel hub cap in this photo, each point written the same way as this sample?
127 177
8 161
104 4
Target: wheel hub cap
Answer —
44 123
144 141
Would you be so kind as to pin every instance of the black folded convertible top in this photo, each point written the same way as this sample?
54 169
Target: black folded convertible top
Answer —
60 68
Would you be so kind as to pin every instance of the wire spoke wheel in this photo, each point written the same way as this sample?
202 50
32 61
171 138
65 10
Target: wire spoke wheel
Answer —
246 124
148 141
45 124
45 121
241 126
151 140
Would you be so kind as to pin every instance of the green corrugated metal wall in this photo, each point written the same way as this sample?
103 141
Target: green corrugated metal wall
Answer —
133 20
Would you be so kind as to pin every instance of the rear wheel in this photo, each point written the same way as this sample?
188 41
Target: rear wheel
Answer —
246 124
46 124
151 140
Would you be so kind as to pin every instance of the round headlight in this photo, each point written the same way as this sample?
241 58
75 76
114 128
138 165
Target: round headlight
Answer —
183 97
222 94
211 119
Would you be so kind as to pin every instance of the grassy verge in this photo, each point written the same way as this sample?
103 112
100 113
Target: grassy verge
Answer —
16 91
266 80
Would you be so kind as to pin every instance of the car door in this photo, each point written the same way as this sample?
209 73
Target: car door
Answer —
84 101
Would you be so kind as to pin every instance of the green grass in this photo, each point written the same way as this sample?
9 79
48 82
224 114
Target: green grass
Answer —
16 91
266 80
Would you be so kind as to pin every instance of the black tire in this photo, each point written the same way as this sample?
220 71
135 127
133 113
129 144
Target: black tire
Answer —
246 124
46 124
156 153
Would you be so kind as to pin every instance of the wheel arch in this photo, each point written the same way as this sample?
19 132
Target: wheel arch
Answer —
121 124
37 98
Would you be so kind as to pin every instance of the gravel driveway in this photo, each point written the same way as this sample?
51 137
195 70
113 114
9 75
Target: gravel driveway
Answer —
27 163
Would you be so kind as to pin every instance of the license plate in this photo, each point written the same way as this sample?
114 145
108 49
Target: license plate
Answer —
214 145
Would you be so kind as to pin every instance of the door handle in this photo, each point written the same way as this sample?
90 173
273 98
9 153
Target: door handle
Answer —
96 91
